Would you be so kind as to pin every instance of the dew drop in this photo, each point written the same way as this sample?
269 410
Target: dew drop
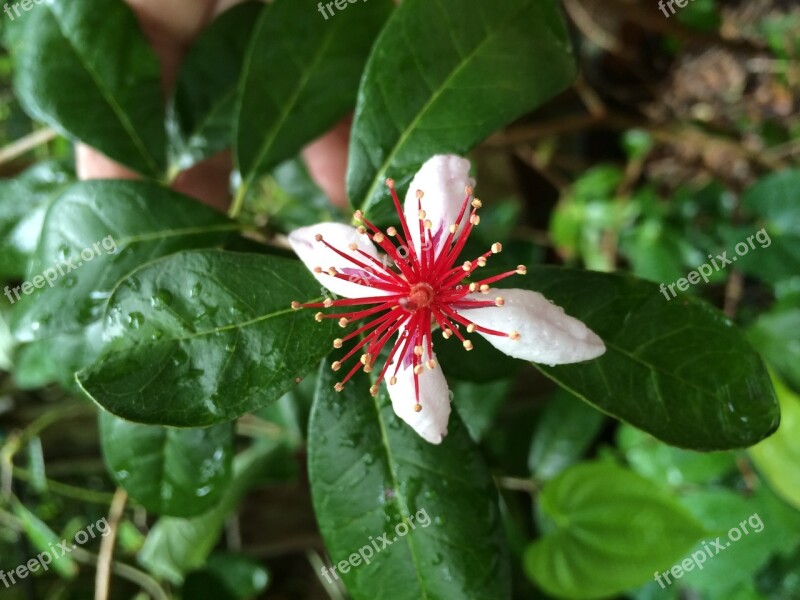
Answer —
135 320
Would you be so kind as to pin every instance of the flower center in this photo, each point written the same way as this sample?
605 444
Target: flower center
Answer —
420 296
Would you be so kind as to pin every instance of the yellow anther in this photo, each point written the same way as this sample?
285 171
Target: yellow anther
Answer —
317 270
522 269
327 303
391 232
338 386
468 190
361 229
392 380
390 183
447 334
467 345
514 335
336 365
453 228
353 246
420 194
497 248
295 305
332 271
358 215
471 328
481 261
373 391
431 364
475 219
367 368
418 350
476 203
473 287
318 317
337 343
342 322
499 301
318 237
417 407
485 288
418 370
427 223
467 266
366 358
378 237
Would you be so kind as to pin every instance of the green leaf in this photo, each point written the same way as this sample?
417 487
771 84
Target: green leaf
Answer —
21 221
776 335
566 429
86 69
227 577
674 466
611 529
300 77
371 475
774 253
44 540
773 529
778 456
201 111
677 369
203 337
479 403
176 546
118 225
443 76
176 472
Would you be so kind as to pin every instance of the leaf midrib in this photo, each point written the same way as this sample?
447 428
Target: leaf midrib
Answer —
432 100
115 108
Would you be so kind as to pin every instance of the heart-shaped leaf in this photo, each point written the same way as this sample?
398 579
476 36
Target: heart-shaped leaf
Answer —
679 369
300 77
202 337
86 69
606 530
177 472
444 75
414 520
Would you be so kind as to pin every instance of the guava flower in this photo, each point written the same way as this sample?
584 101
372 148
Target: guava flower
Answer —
417 284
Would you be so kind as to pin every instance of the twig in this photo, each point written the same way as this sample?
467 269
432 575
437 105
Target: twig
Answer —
140 578
23 145
102 580
733 294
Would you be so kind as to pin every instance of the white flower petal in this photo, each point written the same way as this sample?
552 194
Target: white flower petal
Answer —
434 396
442 178
547 334
316 254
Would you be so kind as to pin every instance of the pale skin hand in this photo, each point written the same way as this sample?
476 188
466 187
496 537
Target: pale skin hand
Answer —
171 25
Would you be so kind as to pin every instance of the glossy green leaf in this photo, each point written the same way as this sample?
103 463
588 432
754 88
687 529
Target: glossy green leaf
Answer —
563 435
300 77
372 476
203 337
443 76
23 203
609 530
176 472
86 69
175 546
778 457
93 235
677 369
203 103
